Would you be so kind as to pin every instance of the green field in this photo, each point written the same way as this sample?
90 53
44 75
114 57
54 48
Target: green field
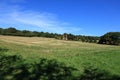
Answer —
73 53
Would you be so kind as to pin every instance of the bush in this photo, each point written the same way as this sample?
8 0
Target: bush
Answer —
52 70
14 68
3 50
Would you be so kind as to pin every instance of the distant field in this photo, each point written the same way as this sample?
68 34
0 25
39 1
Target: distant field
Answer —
73 53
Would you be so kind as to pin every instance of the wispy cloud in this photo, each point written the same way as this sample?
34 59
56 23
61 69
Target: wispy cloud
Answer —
13 1
14 14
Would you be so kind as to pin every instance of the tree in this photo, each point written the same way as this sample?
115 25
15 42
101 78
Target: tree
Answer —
11 30
1 30
14 32
111 38
15 68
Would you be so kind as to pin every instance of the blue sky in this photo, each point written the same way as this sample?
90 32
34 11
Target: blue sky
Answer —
85 17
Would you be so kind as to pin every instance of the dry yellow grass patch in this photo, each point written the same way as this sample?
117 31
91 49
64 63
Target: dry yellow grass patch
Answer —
26 40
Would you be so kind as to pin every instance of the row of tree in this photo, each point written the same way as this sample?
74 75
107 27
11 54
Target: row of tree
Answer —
90 39
111 38
14 32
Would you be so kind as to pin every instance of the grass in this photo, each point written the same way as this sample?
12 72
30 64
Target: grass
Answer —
73 53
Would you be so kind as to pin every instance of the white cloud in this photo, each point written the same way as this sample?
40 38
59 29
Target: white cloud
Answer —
13 14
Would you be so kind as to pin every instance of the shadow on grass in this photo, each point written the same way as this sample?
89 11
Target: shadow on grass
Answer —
3 49
92 73
13 67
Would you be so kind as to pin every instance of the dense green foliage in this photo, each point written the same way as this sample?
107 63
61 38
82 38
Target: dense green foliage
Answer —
14 68
112 38
14 32
90 39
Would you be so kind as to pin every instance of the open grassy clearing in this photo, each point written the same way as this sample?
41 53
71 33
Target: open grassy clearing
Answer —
72 53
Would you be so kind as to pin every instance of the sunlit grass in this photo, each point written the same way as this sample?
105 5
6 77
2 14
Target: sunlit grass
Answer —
72 53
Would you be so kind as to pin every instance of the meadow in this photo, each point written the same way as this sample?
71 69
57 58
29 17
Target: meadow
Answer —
73 53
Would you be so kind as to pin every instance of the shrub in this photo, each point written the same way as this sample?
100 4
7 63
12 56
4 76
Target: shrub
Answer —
51 70
14 68
3 50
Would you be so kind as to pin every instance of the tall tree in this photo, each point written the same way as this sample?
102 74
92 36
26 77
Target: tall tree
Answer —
112 38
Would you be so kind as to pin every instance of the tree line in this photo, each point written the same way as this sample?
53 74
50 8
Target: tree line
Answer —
110 38
26 33
82 38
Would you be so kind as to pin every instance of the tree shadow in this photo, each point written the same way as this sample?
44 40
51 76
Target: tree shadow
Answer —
3 49
92 73
13 67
